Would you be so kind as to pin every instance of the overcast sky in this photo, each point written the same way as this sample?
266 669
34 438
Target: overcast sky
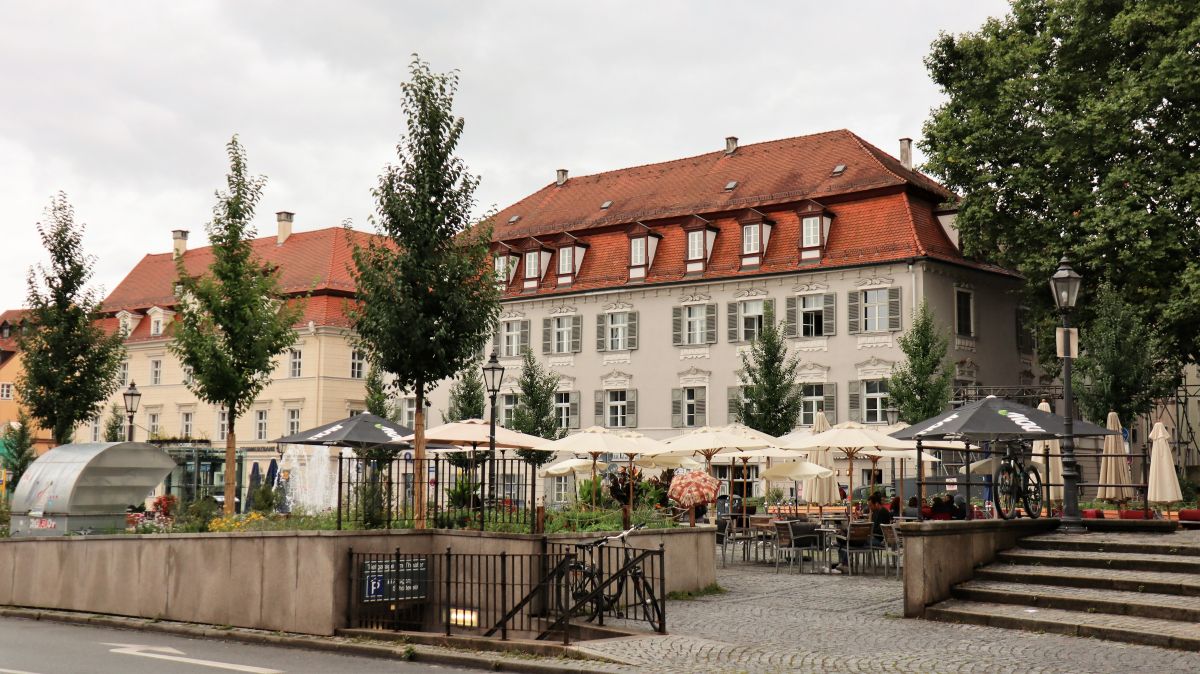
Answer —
127 106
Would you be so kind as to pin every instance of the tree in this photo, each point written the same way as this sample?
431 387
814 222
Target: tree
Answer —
428 299
1122 365
232 321
920 388
467 397
114 425
1070 127
17 452
534 413
70 365
770 400
377 397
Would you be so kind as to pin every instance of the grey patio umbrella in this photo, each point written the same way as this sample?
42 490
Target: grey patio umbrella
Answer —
996 419
359 431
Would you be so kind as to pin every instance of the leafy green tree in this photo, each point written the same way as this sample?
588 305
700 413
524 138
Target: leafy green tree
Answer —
70 365
1070 128
1122 365
114 425
428 302
921 387
17 452
467 397
534 413
377 400
233 321
770 400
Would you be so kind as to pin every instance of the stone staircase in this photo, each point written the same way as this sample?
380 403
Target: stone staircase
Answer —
1136 588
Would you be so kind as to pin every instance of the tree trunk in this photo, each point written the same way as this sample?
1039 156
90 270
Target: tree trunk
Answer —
420 473
230 465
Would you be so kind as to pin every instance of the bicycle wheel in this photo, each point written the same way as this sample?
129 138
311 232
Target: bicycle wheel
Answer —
1007 492
1033 492
580 581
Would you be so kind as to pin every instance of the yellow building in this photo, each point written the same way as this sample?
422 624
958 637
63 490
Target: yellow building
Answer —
11 322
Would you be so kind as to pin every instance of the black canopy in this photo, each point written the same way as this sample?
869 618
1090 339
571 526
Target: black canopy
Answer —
997 419
360 430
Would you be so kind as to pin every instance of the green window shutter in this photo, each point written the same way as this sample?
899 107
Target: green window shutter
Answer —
734 396
631 408
600 409
732 321
789 317
546 333
769 310
601 328
677 325
855 406
496 340
710 327
576 333
829 315
701 406
676 408
631 330
524 341
573 422
852 312
894 322
830 392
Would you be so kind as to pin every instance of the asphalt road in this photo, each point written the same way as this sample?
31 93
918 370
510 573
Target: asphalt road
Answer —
42 647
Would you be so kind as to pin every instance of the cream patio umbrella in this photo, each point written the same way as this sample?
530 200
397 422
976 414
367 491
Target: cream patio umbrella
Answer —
849 441
570 467
665 461
708 441
1052 472
822 491
796 471
596 440
1164 483
1114 469
475 433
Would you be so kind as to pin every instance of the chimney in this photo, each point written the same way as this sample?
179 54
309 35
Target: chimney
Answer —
561 177
283 226
906 152
179 238
730 144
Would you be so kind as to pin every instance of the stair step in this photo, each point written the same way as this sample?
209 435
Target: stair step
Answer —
1157 544
1129 629
1087 600
1102 560
1185 584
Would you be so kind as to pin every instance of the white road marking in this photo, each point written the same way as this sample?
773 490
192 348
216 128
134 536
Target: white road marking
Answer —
175 655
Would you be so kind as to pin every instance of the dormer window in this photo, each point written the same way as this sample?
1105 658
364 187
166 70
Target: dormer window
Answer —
814 231
531 265
500 263
5 331
750 242
571 251
701 235
695 247
156 327
566 261
536 256
643 242
756 236
637 258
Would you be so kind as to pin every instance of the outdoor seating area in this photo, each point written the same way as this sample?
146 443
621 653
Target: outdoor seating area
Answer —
812 543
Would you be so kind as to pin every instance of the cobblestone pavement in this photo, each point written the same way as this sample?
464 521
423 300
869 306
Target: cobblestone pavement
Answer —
820 623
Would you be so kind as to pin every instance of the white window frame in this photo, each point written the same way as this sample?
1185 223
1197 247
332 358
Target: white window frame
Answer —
616 408
637 251
812 401
156 327
560 334
751 239
293 420
295 363
185 424
689 405
695 245
562 408
222 423
617 331
505 407
566 261
408 411
560 489
358 361
812 307
6 390
970 309
532 262
500 265
124 373
874 401
260 424
152 423
96 429
875 314
510 339
810 232
156 372
695 323
750 324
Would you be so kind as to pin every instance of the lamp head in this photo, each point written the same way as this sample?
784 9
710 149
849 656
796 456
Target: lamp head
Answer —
1065 285
132 398
893 415
493 373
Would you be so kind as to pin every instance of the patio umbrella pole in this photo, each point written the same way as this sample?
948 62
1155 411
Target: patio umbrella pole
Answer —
850 491
920 482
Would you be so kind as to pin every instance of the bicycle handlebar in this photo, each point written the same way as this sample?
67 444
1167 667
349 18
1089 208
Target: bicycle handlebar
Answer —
605 539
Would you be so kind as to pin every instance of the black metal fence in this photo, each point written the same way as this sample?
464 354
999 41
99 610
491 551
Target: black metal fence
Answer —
540 595
492 493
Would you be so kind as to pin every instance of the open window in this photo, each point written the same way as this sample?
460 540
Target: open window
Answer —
504 261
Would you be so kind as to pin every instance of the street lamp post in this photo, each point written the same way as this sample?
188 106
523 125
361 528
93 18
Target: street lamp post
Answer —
493 374
1065 284
132 398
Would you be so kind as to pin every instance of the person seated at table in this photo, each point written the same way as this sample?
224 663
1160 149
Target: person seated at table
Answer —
880 515
895 507
959 508
914 507
943 508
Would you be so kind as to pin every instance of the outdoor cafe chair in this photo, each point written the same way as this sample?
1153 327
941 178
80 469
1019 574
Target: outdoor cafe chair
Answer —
805 541
857 543
729 535
893 548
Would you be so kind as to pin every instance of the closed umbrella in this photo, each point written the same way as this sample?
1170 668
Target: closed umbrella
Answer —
1052 473
1114 467
1164 483
822 491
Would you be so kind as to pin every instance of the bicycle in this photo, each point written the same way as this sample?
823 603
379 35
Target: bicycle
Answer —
1014 481
583 582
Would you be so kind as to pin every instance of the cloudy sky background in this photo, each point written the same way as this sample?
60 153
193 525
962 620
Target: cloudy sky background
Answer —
127 106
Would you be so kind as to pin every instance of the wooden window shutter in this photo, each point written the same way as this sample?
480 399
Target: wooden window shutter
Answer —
676 408
789 317
735 332
524 341
576 333
600 415
631 408
894 309
830 392
601 328
677 325
855 407
701 406
631 330
710 327
829 314
734 395
546 332
852 312
573 421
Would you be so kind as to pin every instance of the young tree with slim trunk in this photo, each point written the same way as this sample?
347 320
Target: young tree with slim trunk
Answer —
920 388
467 397
428 299
232 321
17 452
70 365
377 397
770 401
114 425
534 413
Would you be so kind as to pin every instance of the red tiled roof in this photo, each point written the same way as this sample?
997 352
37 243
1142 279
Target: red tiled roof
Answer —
12 317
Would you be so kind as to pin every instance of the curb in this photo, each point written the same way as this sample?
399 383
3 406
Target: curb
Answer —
406 652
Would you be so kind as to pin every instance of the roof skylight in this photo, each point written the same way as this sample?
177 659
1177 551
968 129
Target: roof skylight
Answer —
730 185
513 219
606 204
839 169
